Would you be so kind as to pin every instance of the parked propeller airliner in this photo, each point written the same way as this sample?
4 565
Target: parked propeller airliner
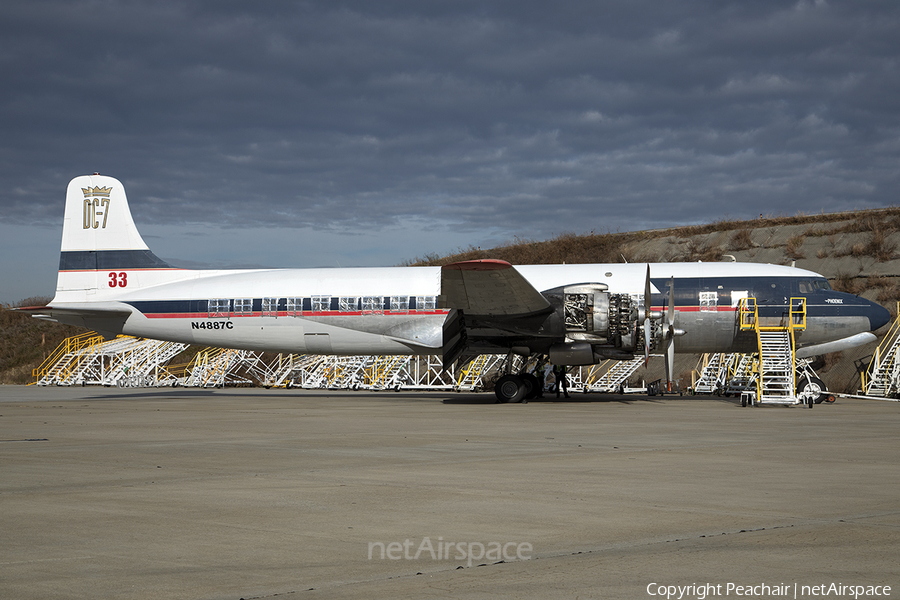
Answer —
111 282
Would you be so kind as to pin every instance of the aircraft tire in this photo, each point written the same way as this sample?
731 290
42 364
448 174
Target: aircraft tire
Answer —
532 385
510 388
815 387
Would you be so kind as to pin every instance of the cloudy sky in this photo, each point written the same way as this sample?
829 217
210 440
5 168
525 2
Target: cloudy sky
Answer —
368 133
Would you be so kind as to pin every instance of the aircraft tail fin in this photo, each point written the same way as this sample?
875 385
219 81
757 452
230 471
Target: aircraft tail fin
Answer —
101 250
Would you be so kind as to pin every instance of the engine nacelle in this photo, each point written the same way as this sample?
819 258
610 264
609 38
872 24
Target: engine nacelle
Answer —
586 309
572 354
597 324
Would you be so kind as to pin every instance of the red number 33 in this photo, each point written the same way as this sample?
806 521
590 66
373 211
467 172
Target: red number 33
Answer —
118 279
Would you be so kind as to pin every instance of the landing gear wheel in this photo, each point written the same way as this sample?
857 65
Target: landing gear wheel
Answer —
510 388
813 389
533 385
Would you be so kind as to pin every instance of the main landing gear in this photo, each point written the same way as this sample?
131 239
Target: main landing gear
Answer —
516 388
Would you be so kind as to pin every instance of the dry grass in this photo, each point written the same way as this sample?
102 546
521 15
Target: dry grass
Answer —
875 281
851 284
701 251
877 246
792 249
620 247
741 240
889 295
26 342
566 248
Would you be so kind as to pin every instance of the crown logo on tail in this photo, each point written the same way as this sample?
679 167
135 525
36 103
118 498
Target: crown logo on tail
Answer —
90 192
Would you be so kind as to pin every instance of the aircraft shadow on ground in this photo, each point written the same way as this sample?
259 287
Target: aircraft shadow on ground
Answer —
456 399
488 398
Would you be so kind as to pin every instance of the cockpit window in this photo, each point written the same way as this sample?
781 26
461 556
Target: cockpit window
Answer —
808 286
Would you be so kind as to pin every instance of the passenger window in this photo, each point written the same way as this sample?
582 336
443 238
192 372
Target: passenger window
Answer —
348 304
400 304
321 303
219 307
372 305
243 306
270 307
294 307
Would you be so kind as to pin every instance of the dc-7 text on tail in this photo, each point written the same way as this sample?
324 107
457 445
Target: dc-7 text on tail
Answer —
109 281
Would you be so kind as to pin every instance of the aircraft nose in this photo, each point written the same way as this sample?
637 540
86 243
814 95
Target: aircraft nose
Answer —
878 316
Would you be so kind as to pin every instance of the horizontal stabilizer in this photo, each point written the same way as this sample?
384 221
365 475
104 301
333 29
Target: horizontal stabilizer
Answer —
106 318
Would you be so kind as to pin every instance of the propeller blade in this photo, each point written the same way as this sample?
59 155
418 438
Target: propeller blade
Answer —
670 361
647 303
670 315
646 341
647 298
670 335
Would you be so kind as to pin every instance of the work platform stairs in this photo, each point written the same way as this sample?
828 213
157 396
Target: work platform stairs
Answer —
385 372
125 361
776 383
614 378
713 373
471 376
217 367
882 378
774 374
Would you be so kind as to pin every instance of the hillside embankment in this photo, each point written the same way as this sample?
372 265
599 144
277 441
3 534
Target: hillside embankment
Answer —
859 252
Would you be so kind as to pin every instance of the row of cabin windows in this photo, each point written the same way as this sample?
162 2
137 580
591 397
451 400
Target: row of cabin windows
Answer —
224 307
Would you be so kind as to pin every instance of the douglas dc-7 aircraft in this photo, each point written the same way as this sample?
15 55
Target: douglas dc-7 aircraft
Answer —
111 282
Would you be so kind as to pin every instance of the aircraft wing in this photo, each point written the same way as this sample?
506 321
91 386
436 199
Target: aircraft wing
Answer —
491 302
489 287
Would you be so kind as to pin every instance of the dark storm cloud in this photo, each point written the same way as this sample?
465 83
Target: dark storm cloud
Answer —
487 119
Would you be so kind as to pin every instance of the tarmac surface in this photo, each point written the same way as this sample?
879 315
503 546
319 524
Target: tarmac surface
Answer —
250 493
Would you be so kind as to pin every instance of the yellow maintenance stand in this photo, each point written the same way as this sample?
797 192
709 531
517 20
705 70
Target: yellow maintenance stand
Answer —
774 371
